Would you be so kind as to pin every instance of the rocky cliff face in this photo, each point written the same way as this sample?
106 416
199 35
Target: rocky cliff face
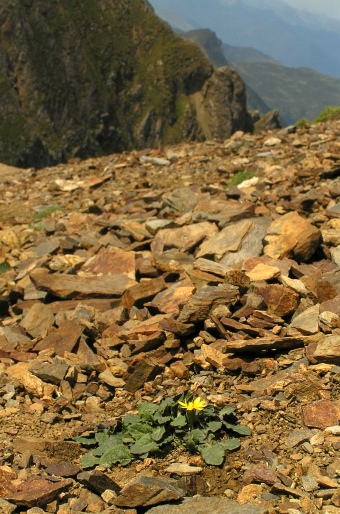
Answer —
80 79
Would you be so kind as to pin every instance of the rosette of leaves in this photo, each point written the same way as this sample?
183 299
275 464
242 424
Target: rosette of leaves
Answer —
155 429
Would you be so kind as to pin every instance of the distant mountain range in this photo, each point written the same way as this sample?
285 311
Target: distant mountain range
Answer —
298 92
293 37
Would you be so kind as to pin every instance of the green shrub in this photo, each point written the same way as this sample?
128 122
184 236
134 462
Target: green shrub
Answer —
302 122
330 113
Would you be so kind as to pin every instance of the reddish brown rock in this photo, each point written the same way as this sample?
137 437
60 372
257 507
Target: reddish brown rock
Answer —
322 414
146 491
328 350
280 300
38 492
260 474
53 449
180 370
212 355
142 291
199 304
63 469
183 237
144 370
110 262
62 340
170 300
263 272
74 286
38 319
292 236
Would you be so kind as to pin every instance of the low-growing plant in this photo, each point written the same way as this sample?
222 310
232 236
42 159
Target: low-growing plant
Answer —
240 177
37 226
330 113
176 421
302 122
4 266
46 212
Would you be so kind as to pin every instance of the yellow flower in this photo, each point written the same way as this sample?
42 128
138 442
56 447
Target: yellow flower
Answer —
196 404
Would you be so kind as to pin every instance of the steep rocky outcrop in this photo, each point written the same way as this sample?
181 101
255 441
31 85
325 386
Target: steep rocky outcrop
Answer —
81 79
214 49
210 43
223 88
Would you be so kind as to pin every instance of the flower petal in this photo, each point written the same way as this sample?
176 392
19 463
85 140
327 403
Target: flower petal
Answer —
183 404
199 404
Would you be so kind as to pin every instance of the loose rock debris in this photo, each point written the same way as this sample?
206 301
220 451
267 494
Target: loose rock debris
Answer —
142 275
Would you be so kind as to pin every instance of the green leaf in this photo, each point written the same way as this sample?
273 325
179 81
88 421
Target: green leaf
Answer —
102 437
231 444
118 453
144 445
160 419
180 421
208 412
130 418
226 411
214 426
89 460
147 410
158 433
167 402
213 454
198 436
242 430
229 426
190 444
136 430
107 444
126 439
85 441
169 439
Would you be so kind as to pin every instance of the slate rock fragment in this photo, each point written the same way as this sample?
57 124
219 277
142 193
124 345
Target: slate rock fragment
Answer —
98 481
202 505
74 286
145 491
292 236
199 304
37 491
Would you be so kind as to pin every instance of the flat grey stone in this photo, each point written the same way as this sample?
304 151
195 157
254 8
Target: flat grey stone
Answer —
53 372
297 437
309 483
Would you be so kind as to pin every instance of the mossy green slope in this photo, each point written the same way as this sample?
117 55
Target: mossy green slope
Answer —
91 77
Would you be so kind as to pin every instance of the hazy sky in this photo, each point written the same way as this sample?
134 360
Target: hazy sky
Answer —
329 7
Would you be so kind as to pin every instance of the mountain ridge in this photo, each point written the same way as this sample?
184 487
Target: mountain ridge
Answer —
241 24
85 79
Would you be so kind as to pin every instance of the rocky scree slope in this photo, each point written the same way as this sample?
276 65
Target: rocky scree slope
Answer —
90 78
138 276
